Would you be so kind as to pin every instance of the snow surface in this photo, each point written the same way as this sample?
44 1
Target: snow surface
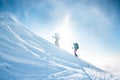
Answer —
25 56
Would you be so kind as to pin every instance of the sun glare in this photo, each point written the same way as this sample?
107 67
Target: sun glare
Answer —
65 32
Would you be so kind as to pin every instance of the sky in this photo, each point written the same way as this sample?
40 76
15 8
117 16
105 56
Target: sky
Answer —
94 24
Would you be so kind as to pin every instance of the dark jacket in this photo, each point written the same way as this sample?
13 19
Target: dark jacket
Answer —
76 46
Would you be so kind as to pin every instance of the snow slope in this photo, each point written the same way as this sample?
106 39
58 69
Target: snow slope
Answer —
25 56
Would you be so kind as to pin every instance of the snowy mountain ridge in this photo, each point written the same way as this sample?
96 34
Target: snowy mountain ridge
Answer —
25 56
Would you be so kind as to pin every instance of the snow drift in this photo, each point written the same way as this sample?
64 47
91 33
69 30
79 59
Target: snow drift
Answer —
25 56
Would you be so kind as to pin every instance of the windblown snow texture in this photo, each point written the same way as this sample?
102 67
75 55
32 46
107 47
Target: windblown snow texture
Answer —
25 56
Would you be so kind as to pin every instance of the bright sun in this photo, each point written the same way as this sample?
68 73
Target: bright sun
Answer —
66 36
